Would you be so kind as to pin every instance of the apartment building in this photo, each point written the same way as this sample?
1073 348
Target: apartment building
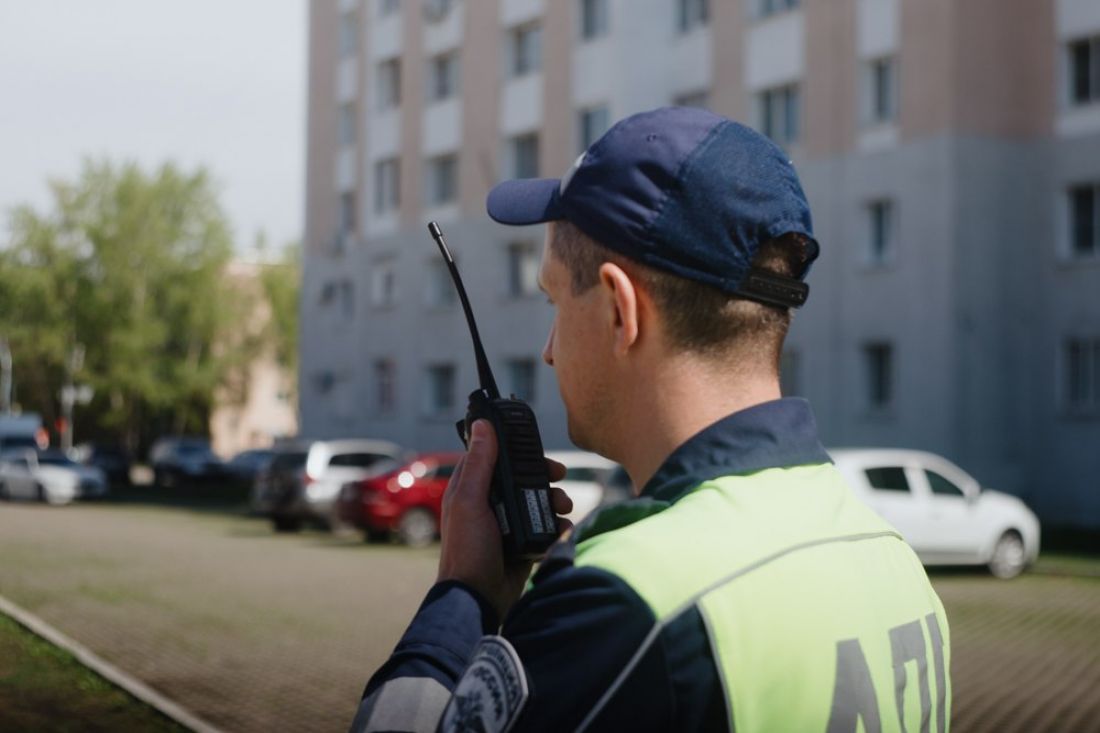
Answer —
950 151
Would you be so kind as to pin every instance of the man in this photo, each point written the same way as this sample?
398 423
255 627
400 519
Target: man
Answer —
744 588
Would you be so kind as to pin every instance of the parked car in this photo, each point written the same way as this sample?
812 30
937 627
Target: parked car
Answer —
247 465
405 501
304 479
48 476
113 460
942 512
182 459
587 477
19 431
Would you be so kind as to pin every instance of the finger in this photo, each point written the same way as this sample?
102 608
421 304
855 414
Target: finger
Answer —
555 469
456 478
481 457
560 501
564 525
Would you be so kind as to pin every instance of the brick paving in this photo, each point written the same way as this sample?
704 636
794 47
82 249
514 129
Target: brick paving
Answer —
253 631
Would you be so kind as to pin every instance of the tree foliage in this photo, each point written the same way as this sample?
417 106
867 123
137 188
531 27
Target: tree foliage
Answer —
131 265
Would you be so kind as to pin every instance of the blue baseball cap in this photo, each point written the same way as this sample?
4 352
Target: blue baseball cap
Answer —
682 190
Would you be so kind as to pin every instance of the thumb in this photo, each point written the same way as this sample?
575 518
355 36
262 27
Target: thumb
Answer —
481 457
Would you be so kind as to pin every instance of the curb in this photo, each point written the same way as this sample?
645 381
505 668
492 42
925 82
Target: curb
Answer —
105 669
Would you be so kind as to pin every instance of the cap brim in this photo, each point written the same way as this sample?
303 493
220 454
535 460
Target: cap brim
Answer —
525 201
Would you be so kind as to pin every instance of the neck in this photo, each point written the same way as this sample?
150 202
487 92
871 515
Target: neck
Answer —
683 397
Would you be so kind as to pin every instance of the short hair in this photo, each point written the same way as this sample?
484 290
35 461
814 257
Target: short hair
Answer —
698 318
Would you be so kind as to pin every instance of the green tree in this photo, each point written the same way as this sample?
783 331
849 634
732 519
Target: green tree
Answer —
131 265
281 281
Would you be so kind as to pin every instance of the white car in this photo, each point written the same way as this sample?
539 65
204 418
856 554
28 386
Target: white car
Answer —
303 480
942 512
586 477
48 476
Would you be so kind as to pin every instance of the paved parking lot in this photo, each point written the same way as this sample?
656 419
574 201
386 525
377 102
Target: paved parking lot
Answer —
254 631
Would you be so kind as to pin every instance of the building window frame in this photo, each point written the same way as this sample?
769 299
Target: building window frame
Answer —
698 98
881 221
347 125
880 91
779 113
388 82
594 19
1083 71
1080 376
525 49
444 77
441 174
1082 221
768 8
439 292
592 122
523 378
387 185
524 155
383 283
348 34
385 386
692 15
439 390
880 376
388 7
523 269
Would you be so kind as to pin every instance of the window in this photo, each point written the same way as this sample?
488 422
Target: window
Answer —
347 297
691 14
356 460
526 49
941 486
1082 374
594 19
525 156
388 7
521 379
1084 223
383 284
699 98
346 124
771 7
887 479
440 396
523 269
443 77
385 382
878 360
442 183
349 34
880 80
1084 71
387 185
389 84
780 113
790 373
592 123
880 231
347 212
441 289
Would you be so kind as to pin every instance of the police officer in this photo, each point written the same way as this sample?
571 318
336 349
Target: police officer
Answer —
744 588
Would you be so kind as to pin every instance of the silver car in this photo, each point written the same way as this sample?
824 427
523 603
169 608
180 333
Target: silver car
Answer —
48 476
303 480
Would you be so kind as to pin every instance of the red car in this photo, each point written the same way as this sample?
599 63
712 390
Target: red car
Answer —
406 501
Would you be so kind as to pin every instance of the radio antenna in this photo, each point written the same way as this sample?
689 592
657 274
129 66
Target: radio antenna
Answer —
485 374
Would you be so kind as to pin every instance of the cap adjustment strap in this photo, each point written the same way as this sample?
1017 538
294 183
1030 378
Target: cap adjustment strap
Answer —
772 289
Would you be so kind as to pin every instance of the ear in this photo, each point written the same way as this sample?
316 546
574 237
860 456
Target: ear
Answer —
623 298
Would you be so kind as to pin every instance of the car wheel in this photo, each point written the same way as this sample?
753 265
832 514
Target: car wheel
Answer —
417 528
286 524
1009 556
40 493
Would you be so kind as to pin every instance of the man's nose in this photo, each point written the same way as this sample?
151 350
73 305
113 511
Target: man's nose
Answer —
548 349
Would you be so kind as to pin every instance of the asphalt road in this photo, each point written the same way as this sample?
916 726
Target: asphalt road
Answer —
255 631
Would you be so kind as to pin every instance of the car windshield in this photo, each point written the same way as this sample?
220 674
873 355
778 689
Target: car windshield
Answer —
186 449
19 441
55 459
288 461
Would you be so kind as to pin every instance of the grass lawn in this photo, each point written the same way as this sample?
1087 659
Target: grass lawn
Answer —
43 688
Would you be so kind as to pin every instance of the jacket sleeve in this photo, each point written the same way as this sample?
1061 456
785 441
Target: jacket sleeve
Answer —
574 631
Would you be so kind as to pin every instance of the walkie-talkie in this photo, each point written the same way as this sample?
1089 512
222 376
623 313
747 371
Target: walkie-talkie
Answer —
520 490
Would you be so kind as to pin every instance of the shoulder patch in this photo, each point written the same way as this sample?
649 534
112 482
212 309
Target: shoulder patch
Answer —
491 692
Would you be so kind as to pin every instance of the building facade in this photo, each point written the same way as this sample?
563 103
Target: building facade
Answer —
950 151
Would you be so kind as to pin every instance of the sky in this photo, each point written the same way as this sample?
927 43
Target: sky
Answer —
213 83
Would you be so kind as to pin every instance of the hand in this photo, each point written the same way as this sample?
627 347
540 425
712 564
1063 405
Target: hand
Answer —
471 548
